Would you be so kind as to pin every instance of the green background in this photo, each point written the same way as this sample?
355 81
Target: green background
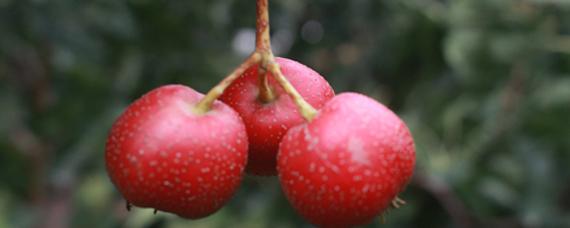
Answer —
484 86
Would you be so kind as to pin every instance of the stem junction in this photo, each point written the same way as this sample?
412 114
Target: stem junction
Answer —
264 58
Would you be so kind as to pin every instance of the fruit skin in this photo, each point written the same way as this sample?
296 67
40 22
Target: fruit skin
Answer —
344 167
267 123
160 154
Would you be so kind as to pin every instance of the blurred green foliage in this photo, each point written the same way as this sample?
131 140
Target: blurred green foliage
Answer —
483 84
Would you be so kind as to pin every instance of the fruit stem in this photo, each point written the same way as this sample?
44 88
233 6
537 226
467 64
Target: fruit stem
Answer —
205 104
263 56
263 46
268 64
262 37
306 110
266 94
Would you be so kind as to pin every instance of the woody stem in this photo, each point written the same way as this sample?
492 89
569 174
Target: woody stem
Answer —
263 47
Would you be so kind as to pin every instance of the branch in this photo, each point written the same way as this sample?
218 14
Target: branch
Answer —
449 201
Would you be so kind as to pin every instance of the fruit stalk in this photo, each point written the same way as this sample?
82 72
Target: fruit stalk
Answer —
268 64
306 110
262 38
263 46
263 56
206 103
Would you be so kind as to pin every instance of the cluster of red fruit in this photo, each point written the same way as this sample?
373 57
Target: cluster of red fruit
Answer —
177 150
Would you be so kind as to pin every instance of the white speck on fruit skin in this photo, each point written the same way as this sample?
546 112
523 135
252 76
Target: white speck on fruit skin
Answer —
153 163
357 178
365 188
356 149
312 167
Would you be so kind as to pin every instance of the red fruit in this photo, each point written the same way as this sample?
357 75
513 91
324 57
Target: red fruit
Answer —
160 154
266 123
345 166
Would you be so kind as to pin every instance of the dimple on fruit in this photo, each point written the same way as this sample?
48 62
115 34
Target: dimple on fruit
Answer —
267 121
345 166
161 154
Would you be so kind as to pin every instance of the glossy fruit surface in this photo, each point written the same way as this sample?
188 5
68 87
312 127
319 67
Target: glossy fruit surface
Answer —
345 166
266 123
161 154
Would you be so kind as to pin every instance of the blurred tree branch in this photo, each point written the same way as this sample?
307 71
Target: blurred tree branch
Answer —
559 44
441 191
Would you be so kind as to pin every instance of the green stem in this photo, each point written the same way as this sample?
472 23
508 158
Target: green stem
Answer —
266 94
205 104
263 56
306 110
268 64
